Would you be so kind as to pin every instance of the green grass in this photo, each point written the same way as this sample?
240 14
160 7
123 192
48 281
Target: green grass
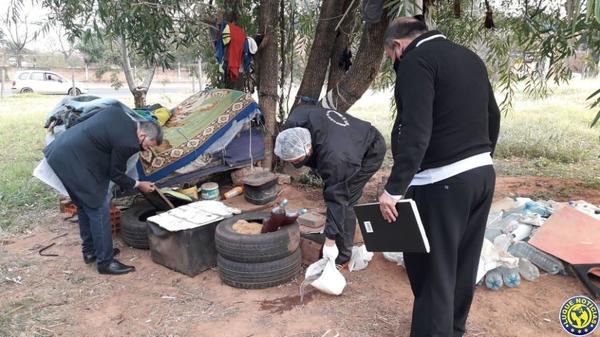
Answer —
22 137
21 143
550 137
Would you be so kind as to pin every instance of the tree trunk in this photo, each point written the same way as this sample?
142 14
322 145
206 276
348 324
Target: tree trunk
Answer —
138 92
139 97
267 72
87 67
365 67
342 42
320 51
282 58
200 75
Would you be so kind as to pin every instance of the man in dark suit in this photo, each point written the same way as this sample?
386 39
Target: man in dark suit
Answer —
86 158
445 132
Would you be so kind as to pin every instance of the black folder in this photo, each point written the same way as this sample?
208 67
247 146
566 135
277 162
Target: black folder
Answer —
407 234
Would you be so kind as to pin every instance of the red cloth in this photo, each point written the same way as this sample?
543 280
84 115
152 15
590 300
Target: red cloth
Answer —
235 50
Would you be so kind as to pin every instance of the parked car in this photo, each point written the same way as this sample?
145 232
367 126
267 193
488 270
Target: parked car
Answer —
45 82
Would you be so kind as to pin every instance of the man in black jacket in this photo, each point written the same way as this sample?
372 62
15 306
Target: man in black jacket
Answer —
345 151
86 158
442 140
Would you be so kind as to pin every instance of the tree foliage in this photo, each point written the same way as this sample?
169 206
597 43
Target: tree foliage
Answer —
529 47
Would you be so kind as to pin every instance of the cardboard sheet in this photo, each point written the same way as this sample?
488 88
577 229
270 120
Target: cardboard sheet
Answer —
193 215
570 235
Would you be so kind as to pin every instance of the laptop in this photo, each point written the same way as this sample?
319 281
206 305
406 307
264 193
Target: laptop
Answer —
407 234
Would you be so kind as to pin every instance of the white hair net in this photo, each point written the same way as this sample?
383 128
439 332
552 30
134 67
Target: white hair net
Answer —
292 143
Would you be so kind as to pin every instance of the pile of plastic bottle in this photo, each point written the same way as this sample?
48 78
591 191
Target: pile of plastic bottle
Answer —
510 230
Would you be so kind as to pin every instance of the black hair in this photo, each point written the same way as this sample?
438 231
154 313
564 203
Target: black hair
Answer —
402 28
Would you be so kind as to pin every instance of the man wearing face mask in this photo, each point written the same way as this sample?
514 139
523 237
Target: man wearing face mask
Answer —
86 157
345 151
445 131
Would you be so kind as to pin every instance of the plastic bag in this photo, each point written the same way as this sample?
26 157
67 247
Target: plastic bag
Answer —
492 257
360 258
397 257
326 277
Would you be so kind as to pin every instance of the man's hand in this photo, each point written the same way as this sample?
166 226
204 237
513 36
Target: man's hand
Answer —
387 205
330 250
146 186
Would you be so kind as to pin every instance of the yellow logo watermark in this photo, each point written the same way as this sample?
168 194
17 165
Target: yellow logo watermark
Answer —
579 316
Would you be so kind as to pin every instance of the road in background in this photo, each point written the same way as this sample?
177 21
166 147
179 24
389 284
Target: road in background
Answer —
107 91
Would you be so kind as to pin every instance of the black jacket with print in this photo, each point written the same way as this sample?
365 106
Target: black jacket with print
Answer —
339 144
446 109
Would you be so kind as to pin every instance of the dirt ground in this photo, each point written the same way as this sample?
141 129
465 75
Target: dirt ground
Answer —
61 296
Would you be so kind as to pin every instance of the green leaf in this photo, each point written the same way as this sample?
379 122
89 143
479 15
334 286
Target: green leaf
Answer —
595 119
594 94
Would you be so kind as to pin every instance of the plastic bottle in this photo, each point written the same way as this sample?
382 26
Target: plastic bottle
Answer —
290 217
510 277
505 225
277 218
233 192
521 232
493 279
546 262
534 207
528 270
503 242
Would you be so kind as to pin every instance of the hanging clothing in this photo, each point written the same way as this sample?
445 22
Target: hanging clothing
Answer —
235 48
219 44
372 10
246 57
252 45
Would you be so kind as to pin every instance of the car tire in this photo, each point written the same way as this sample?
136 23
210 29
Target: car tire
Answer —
259 275
26 90
255 248
134 230
77 92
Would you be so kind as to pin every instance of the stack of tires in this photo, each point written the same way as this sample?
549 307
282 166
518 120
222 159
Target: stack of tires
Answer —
256 261
134 230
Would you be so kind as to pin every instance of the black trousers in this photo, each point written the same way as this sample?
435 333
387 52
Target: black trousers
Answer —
370 165
454 213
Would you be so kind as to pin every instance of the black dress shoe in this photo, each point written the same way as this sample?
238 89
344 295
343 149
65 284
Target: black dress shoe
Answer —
115 268
91 257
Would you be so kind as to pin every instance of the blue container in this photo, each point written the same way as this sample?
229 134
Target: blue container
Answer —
209 191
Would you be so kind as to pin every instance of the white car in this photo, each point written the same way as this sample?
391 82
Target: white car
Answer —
45 82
